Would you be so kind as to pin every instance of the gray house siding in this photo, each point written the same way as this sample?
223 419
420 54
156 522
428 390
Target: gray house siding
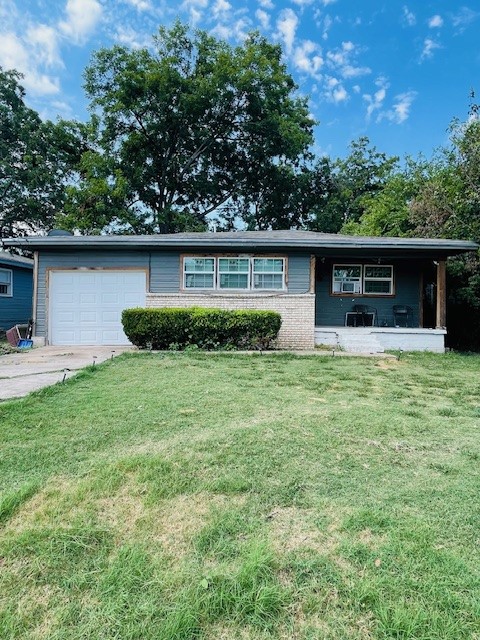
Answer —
330 310
163 268
17 309
165 272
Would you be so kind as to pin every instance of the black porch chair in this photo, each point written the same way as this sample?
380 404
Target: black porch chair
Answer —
402 315
365 312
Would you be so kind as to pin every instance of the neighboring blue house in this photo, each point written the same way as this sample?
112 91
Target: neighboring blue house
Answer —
16 290
363 294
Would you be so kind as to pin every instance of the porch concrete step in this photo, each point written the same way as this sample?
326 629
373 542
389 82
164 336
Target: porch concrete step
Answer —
358 343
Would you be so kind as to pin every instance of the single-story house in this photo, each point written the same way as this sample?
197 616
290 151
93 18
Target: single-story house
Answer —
364 294
16 287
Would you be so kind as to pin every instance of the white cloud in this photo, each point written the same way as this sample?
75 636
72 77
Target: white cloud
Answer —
287 26
82 16
302 3
327 25
327 2
339 95
375 101
435 22
44 43
464 18
349 71
220 8
400 111
341 60
334 90
307 58
15 55
409 17
140 5
131 38
194 9
263 18
241 29
429 47
266 4
222 32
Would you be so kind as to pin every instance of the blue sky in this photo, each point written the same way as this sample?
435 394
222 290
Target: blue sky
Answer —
396 72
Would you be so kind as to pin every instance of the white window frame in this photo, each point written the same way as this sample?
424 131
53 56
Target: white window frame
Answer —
9 293
267 273
356 290
360 282
372 279
216 279
248 273
187 273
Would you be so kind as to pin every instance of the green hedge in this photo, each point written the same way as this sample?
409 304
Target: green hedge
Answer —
206 328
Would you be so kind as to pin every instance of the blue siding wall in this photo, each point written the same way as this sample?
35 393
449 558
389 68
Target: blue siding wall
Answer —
330 310
163 268
165 272
18 308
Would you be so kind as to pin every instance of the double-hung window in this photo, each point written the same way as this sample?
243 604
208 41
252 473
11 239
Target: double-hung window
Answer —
357 279
5 282
234 273
268 273
239 273
199 273
347 278
378 280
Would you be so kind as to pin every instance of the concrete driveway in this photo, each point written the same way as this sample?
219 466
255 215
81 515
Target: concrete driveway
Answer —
21 373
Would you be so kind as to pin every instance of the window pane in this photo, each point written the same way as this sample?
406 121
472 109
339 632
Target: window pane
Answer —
347 272
233 280
5 276
378 286
378 272
199 265
199 281
233 265
268 265
268 281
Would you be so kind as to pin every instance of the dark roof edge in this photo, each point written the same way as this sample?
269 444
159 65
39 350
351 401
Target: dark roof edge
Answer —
17 261
255 241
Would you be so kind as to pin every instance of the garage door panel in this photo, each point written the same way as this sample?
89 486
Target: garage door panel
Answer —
110 316
66 316
134 300
88 316
111 297
86 307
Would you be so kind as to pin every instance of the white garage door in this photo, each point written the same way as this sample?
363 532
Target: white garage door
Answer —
86 306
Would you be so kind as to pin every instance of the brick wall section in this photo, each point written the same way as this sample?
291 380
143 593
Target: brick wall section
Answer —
297 311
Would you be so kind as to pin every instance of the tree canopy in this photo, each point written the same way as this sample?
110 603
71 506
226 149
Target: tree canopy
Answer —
187 127
35 157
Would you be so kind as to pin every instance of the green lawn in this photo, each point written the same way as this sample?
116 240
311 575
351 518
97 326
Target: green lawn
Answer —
229 497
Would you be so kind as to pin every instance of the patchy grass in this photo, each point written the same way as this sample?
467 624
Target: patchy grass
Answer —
226 497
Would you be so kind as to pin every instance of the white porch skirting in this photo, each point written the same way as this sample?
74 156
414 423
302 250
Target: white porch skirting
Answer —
379 339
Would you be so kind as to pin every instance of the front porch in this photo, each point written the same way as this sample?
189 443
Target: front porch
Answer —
380 339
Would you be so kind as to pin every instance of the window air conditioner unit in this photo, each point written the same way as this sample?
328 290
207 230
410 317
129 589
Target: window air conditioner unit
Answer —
349 287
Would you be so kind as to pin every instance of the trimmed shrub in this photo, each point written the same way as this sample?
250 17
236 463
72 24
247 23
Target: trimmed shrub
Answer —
206 328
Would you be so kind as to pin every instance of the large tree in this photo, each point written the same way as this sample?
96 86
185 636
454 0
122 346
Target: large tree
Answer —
35 159
349 183
187 127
